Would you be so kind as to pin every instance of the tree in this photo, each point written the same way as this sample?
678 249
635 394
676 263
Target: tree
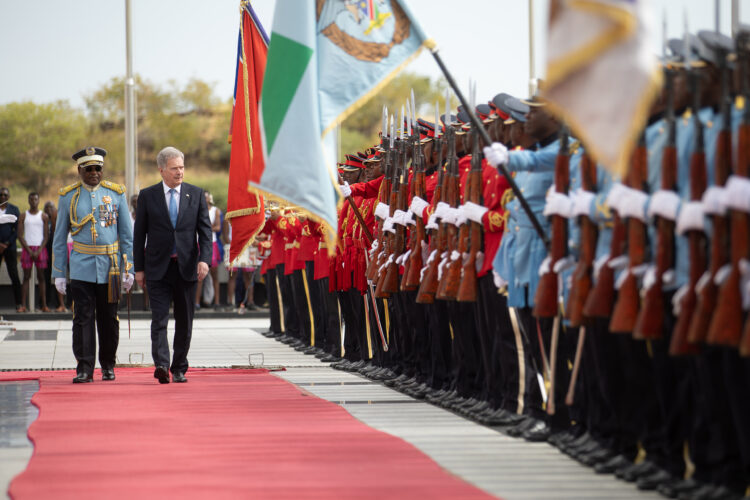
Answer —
38 141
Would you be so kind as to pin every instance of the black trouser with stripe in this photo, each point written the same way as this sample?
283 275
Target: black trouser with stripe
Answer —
273 300
93 316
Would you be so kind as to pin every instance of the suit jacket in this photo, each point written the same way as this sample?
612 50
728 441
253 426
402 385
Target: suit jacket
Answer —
9 231
152 254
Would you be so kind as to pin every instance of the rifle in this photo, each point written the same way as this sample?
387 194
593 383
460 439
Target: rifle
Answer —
650 322
456 240
413 265
727 323
391 279
428 287
467 289
601 299
679 345
707 289
582 274
388 236
374 262
546 301
628 297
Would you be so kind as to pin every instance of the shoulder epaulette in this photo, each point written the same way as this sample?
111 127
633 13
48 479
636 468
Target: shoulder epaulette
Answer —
119 188
68 189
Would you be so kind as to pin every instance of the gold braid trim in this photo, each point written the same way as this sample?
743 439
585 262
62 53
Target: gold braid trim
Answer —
75 226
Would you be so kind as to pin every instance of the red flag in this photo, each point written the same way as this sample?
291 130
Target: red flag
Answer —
245 209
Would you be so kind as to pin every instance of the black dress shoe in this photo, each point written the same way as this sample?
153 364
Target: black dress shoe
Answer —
613 464
83 378
522 426
108 374
178 378
677 486
537 433
162 374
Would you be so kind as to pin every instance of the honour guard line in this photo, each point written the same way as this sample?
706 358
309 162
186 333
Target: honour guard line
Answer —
625 343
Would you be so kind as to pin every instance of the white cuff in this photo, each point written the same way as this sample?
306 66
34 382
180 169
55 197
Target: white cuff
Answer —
633 204
382 210
664 203
714 201
582 201
690 218
738 193
417 206
474 212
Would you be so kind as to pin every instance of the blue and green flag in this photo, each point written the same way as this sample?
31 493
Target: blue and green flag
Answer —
325 59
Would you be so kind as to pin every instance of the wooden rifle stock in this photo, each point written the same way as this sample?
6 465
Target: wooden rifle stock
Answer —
381 291
449 281
413 266
546 297
582 279
429 282
727 323
708 294
650 322
374 263
601 299
628 297
391 282
467 288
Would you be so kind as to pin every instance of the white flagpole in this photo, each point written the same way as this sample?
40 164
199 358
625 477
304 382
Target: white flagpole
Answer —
130 116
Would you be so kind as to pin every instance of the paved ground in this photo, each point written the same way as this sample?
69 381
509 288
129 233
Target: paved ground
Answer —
502 466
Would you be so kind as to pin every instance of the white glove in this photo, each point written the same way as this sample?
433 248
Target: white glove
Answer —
6 218
473 212
690 218
738 193
382 210
713 201
664 203
345 189
546 266
127 281
558 204
582 201
460 216
633 204
399 217
499 281
388 225
417 206
615 195
432 222
60 285
496 154
451 216
441 209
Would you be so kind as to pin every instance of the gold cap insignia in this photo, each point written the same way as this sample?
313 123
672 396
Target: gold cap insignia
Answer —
90 151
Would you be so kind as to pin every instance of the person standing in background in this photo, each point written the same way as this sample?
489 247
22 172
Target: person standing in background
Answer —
214 216
33 233
9 215
51 210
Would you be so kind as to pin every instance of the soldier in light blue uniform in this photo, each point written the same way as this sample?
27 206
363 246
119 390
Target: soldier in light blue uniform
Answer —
96 214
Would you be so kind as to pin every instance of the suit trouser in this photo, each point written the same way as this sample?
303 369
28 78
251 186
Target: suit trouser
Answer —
89 306
11 262
172 287
273 301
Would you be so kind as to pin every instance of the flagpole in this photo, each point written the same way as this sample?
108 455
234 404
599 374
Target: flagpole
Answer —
130 123
532 64
485 136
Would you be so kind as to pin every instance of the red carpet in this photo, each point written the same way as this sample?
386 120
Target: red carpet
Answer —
224 434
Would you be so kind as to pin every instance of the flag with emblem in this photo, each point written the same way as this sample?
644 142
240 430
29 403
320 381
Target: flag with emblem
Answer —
325 59
601 74
245 209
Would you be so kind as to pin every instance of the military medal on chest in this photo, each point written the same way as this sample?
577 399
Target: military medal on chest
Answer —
107 215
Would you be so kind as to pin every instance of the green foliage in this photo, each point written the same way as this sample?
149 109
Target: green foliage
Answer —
361 129
37 142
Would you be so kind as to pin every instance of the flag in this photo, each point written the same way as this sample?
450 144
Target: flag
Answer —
245 209
601 74
326 58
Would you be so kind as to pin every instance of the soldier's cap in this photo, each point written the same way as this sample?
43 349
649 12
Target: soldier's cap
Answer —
90 156
678 55
352 163
714 47
498 104
518 109
373 157
464 120
452 119
534 102
426 130
484 113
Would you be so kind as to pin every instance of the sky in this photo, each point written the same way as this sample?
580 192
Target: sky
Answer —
53 50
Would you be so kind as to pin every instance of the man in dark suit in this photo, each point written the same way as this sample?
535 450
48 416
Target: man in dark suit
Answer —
169 261
8 235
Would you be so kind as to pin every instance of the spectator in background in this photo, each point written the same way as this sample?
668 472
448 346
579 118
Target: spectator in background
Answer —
245 269
9 215
33 233
51 211
214 215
